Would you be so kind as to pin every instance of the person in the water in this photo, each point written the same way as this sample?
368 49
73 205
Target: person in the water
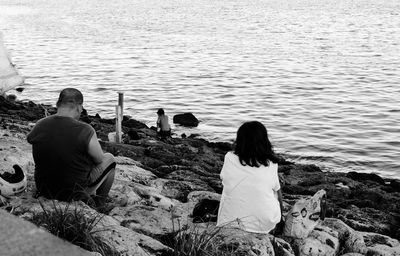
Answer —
163 127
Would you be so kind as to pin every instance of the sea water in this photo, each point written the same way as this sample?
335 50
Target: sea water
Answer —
323 76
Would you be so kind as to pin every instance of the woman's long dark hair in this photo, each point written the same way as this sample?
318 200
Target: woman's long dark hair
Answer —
253 146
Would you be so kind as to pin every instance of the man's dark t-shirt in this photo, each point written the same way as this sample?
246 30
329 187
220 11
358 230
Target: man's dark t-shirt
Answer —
60 151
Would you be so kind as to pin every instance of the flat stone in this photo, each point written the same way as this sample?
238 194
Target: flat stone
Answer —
20 237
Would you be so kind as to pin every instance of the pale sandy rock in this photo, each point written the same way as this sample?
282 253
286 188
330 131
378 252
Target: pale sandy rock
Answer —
354 243
14 151
352 254
147 220
122 160
196 196
134 173
322 241
154 197
374 238
383 250
378 244
95 254
128 242
122 194
177 189
352 240
108 230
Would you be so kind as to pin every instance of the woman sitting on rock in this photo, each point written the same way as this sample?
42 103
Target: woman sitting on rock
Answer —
251 196
163 128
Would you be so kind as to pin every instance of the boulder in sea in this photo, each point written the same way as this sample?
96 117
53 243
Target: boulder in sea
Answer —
365 177
186 119
132 123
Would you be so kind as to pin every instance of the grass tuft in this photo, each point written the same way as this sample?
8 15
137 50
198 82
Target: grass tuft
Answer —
196 240
73 225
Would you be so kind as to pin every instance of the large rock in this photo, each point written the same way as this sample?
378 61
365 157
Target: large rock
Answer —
186 119
178 190
351 240
108 229
134 173
147 220
20 237
322 241
368 219
152 197
126 241
378 244
365 177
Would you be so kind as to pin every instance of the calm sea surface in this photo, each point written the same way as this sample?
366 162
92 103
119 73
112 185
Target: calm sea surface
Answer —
323 76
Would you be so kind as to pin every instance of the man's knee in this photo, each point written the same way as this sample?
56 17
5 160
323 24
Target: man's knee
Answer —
108 158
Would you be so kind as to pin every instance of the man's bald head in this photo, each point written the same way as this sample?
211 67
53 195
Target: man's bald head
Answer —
70 97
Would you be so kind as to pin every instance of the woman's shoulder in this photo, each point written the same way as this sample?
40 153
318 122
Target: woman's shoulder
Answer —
272 166
230 155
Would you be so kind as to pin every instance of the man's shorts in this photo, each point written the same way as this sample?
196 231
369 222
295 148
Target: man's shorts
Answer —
100 171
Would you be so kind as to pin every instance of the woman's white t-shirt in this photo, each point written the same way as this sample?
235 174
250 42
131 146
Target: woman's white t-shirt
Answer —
249 197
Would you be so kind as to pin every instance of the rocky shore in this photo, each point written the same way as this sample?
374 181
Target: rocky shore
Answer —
159 182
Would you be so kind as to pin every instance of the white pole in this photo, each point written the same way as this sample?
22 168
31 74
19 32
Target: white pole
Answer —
118 127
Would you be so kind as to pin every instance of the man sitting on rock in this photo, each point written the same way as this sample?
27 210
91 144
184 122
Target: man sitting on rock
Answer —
70 164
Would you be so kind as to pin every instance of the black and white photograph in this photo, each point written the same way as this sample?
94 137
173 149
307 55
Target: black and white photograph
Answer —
200 128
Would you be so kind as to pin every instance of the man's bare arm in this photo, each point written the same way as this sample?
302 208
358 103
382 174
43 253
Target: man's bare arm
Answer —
95 150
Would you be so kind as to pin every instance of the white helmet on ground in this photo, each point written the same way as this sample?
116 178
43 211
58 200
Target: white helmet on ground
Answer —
11 184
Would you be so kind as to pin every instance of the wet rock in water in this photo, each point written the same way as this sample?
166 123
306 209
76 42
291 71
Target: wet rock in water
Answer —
186 119
194 135
366 177
11 97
